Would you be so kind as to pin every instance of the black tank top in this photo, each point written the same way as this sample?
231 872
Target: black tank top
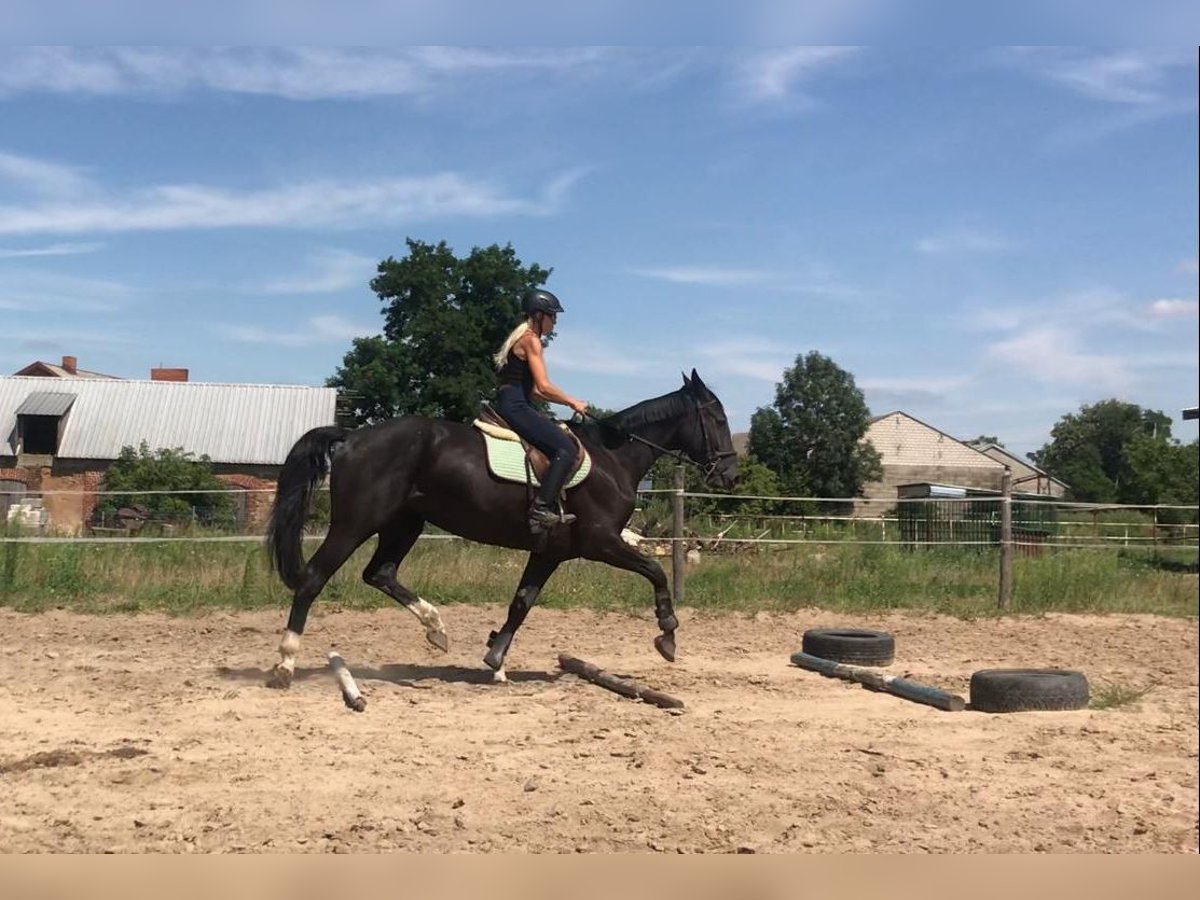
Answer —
516 371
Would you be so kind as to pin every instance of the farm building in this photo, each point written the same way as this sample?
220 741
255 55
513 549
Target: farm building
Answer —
68 368
912 452
59 433
1027 478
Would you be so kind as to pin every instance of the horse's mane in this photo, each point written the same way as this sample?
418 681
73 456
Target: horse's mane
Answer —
615 429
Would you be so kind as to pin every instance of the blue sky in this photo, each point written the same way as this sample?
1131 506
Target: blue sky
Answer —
985 238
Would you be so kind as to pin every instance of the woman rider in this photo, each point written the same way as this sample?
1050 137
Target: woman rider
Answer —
521 370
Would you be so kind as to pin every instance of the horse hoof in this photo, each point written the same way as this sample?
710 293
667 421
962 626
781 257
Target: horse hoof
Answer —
498 677
280 678
497 649
438 639
665 645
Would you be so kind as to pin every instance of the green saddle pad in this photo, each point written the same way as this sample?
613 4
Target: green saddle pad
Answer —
506 459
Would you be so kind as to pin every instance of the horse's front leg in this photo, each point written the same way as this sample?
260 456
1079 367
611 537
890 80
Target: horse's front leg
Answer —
537 571
616 552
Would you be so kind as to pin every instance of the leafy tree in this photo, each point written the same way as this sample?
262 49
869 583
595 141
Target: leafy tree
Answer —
811 438
444 317
1165 472
1090 451
165 470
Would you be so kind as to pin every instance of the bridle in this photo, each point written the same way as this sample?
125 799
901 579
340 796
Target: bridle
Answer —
712 457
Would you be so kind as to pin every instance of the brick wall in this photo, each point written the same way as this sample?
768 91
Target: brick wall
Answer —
68 512
259 499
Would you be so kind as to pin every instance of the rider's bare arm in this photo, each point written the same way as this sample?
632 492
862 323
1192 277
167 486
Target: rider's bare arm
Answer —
543 388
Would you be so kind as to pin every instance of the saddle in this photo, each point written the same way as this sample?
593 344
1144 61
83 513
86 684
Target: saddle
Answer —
498 434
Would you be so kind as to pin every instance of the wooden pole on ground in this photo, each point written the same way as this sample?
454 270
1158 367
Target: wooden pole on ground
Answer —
891 684
626 687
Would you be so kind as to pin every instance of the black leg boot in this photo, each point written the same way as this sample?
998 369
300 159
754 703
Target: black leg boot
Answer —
544 514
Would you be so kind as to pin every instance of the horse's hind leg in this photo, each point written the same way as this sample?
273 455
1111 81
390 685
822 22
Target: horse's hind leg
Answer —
537 571
337 547
394 543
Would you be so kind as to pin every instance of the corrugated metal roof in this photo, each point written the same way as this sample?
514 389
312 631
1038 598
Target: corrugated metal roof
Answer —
45 403
231 423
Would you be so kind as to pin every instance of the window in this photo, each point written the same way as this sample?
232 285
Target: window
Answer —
39 434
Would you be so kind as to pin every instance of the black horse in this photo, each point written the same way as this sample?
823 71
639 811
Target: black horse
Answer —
390 479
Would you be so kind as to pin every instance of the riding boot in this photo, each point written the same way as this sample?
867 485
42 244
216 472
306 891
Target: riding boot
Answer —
544 514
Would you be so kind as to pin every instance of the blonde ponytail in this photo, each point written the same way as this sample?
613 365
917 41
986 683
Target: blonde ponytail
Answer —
514 336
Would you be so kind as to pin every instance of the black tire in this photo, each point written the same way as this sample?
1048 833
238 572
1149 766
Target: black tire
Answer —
1026 690
856 646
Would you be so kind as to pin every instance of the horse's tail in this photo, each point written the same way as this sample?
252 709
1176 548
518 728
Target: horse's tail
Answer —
306 465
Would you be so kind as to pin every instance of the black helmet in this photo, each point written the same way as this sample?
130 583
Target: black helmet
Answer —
539 300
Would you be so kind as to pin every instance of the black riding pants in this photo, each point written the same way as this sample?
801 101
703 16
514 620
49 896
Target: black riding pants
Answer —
530 424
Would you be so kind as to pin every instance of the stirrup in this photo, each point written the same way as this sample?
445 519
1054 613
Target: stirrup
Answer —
544 519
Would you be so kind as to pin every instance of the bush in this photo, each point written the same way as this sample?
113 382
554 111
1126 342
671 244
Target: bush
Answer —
173 475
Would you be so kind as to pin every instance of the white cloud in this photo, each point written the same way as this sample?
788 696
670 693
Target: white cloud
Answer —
49 250
750 357
307 204
292 73
43 178
38 291
773 76
936 385
1051 354
319 330
328 271
1080 310
708 277
962 240
815 280
1174 309
1128 76
575 352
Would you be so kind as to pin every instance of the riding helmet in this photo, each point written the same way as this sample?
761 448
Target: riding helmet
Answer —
539 300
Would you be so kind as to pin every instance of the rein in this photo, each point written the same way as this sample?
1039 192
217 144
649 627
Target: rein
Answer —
713 459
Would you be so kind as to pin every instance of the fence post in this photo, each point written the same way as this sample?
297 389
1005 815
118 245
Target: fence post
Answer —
1006 539
677 550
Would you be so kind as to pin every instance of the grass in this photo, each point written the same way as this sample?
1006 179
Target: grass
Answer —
185 578
1115 696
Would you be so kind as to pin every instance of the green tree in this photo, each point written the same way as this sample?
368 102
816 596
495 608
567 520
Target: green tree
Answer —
1165 472
173 473
1089 450
444 317
811 438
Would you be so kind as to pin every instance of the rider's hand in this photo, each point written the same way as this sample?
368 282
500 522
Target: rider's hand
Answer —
579 406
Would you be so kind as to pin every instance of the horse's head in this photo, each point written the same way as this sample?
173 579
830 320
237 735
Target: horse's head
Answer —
710 444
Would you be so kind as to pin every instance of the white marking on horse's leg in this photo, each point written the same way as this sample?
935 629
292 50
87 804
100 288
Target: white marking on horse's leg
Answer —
428 616
289 646
498 676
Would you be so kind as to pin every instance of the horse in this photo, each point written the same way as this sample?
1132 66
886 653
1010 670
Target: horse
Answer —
392 478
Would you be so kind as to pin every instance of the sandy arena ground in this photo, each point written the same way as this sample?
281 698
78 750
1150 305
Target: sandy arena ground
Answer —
152 733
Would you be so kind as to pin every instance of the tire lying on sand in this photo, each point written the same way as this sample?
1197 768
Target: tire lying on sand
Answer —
1028 690
856 646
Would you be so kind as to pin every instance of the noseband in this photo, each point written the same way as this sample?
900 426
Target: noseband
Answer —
713 457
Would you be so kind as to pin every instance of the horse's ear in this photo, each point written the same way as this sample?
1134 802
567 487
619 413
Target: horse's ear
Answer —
686 382
695 380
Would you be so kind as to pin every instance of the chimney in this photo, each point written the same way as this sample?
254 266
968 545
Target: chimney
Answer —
161 374
69 363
